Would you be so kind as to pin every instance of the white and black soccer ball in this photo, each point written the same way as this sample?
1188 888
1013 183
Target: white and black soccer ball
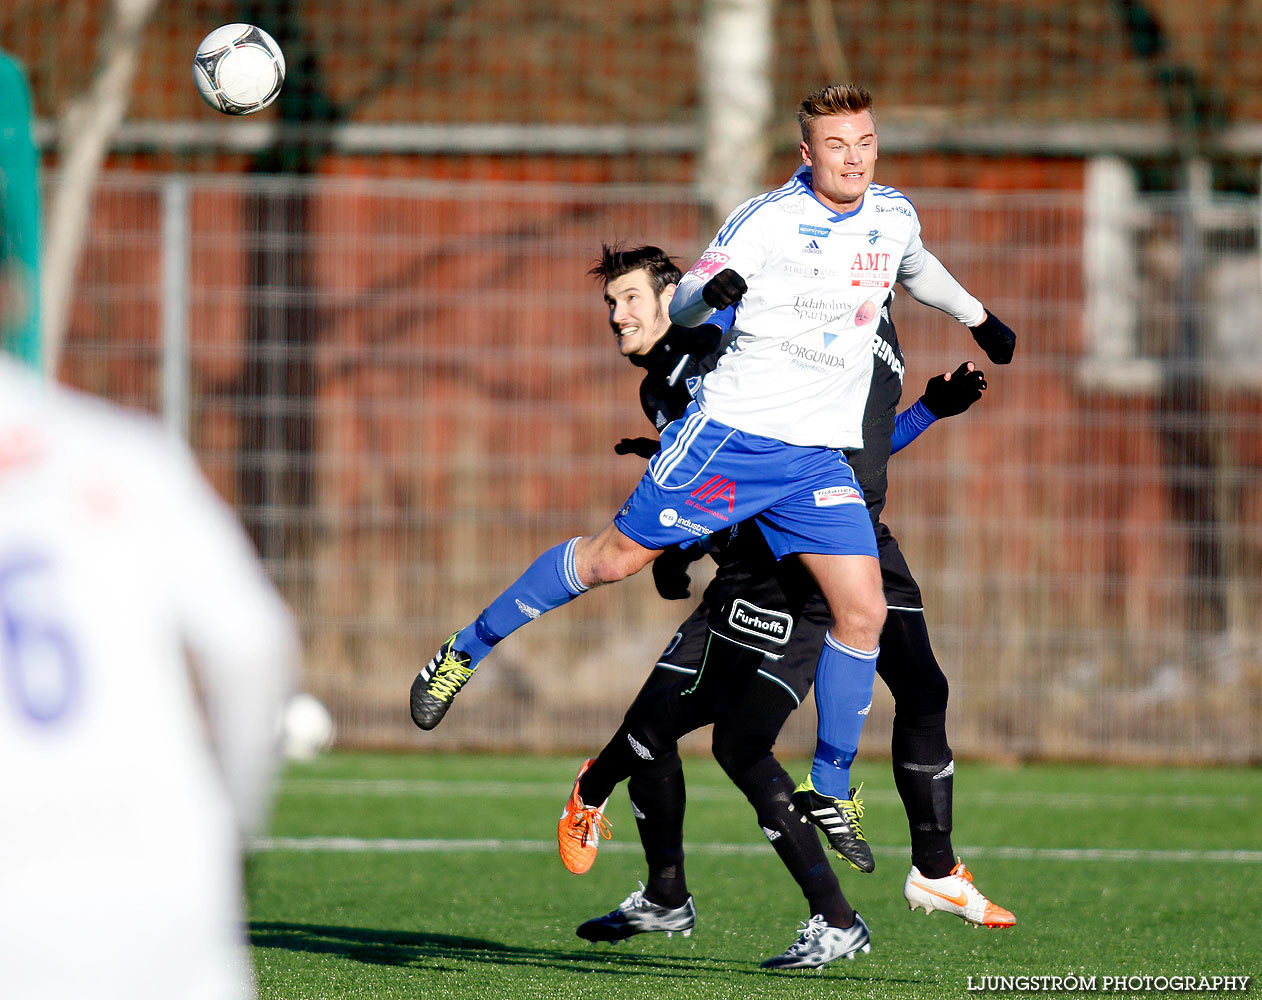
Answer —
239 69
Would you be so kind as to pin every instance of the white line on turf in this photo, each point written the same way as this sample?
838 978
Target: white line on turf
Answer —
387 845
389 787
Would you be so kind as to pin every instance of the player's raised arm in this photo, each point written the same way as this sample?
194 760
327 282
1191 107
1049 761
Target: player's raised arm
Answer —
701 293
928 281
719 279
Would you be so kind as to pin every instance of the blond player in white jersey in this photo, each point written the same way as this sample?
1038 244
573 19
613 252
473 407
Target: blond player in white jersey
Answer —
144 657
810 267
817 258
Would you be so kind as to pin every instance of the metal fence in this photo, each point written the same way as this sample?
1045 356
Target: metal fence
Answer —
408 390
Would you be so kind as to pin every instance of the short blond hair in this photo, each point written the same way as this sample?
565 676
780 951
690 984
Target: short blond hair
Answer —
838 99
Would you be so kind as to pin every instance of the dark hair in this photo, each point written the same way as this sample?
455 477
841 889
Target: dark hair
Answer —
839 99
615 261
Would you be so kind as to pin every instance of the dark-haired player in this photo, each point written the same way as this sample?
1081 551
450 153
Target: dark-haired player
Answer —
744 659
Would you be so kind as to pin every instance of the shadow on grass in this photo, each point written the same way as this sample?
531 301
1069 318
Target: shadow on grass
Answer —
405 948
401 948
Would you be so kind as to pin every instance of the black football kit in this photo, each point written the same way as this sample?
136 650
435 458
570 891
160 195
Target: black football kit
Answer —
746 656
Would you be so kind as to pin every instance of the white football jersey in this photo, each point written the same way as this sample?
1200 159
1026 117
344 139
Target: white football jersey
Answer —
801 344
138 631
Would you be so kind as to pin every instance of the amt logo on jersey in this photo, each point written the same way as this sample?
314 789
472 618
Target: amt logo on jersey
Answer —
870 262
870 270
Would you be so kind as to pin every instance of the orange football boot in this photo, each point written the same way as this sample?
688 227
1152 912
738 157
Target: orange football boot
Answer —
580 829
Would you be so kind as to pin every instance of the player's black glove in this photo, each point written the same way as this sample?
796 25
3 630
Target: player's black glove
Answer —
995 338
723 289
644 447
670 572
947 395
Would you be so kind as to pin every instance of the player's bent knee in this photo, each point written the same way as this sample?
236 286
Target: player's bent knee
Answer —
920 701
609 557
663 765
910 669
874 611
737 753
930 697
860 624
631 561
877 612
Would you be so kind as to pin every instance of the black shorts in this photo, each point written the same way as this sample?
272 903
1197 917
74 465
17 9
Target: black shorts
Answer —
702 679
766 606
758 601
705 661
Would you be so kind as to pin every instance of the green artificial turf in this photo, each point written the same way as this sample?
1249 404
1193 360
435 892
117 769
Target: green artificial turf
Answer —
430 876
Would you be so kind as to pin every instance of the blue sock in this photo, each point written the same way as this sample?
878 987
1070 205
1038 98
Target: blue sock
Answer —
549 582
843 697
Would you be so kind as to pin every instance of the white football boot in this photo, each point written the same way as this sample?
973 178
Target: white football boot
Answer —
954 893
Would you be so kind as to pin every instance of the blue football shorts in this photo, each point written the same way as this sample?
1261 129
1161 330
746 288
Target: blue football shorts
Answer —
709 476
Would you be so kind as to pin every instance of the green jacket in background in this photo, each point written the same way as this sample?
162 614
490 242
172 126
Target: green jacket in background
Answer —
19 217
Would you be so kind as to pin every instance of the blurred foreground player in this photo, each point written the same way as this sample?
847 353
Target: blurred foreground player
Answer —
131 769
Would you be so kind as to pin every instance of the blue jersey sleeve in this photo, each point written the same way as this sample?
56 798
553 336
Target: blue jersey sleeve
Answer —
909 425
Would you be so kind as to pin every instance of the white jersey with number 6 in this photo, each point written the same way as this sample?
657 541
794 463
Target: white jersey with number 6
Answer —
144 657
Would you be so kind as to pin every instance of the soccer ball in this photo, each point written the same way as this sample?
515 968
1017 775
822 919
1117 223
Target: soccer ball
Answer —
239 69
306 728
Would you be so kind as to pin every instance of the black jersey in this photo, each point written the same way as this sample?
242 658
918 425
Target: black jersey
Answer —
871 462
672 367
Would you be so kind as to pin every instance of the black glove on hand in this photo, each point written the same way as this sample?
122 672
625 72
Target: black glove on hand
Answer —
723 289
995 338
670 572
947 395
644 447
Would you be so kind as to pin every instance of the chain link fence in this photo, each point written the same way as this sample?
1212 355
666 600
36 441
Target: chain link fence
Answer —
408 389
367 307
